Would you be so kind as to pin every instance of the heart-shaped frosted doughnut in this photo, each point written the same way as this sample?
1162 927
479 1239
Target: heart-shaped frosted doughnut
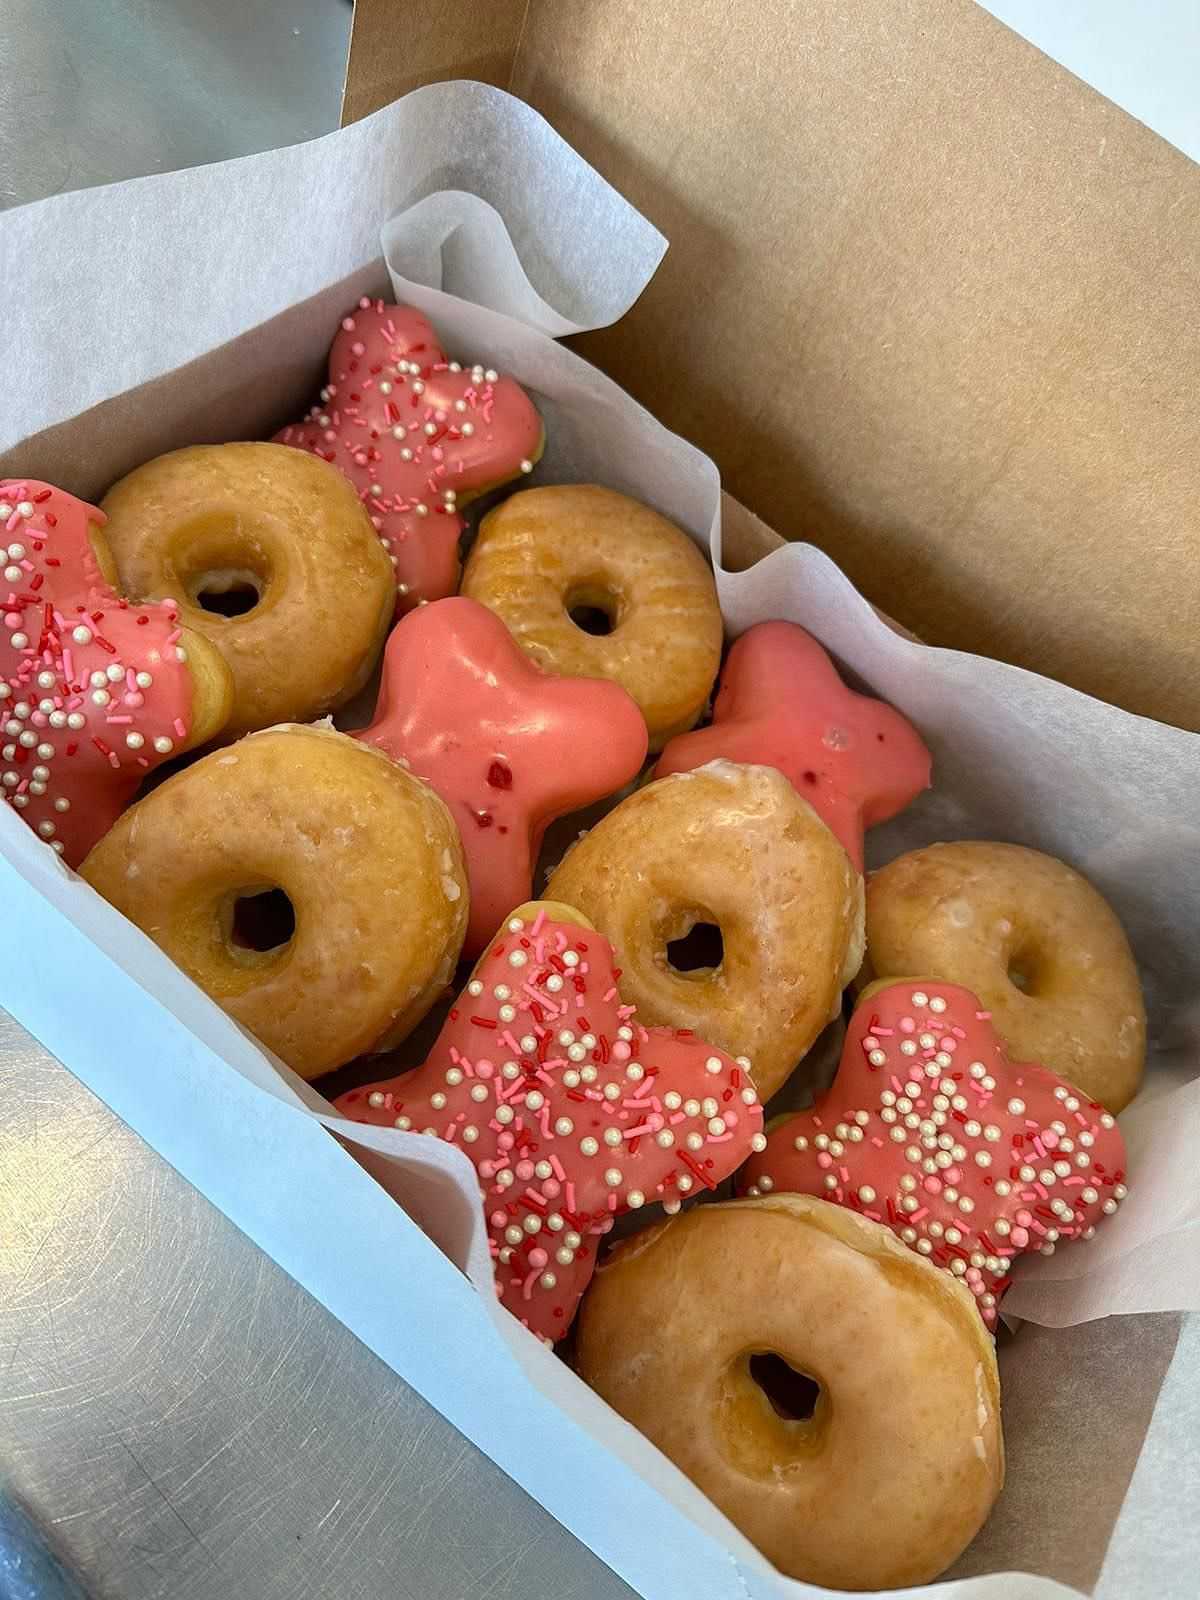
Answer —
94 692
732 908
310 885
834 1394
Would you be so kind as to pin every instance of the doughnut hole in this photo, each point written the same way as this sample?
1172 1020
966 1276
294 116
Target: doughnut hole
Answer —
595 606
777 1416
224 564
1026 971
258 923
792 1395
697 952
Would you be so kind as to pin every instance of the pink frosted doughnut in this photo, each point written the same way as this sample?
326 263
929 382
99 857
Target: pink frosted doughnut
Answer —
419 436
571 1111
782 704
1002 1158
507 746
94 692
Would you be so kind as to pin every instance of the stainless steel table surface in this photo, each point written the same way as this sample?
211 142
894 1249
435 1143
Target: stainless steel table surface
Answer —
181 1418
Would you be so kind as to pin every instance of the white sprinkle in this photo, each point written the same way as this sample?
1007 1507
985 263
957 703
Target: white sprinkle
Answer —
375 1098
588 1146
1016 1106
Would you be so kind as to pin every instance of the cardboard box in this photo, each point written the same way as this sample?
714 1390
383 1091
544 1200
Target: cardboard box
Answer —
729 216
930 301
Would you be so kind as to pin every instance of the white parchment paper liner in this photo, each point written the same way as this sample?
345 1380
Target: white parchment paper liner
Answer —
208 297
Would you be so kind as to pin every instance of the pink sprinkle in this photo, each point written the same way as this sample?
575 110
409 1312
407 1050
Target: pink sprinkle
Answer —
636 1133
907 1025
557 1168
877 1141
612 1200
570 1194
885 1033
917 1215
180 728
527 1286
118 719
538 922
984 1016
1043 1192
611 995
824 1159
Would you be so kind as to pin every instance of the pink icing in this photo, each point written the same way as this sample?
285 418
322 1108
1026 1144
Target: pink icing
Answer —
507 746
1004 1159
80 731
520 1095
415 433
782 704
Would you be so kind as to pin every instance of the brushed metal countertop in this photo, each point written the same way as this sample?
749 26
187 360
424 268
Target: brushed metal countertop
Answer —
181 1418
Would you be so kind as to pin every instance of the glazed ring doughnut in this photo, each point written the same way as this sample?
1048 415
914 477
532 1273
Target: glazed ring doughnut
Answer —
733 849
270 556
689 1331
1039 946
371 872
593 584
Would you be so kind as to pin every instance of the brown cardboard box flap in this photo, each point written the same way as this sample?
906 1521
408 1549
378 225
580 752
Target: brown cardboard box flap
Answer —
930 302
